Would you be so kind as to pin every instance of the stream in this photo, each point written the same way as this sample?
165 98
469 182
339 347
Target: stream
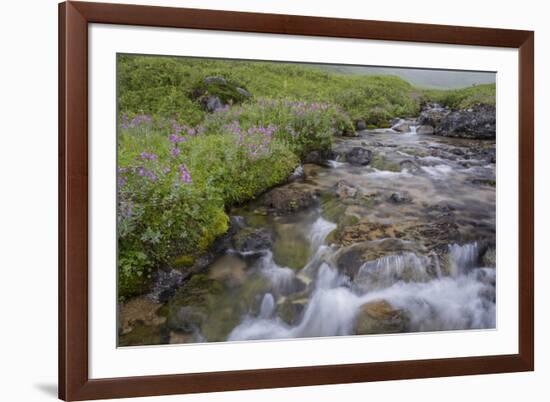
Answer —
405 243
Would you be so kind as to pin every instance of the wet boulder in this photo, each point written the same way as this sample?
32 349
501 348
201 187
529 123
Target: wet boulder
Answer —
360 125
165 283
318 157
291 310
425 129
380 317
432 115
289 198
409 165
349 259
358 156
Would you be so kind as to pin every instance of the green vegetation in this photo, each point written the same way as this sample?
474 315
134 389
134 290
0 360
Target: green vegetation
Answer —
181 167
462 98
166 86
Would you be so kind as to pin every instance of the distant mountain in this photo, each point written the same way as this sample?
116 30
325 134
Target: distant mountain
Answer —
442 79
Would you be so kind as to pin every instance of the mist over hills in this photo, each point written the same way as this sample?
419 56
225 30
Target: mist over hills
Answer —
440 79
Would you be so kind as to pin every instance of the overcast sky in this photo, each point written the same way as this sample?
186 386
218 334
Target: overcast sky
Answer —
423 77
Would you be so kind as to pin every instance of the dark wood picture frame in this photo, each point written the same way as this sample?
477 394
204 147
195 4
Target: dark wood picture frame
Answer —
74 382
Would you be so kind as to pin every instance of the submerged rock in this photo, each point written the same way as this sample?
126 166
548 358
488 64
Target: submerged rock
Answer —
345 190
251 240
400 198
380 317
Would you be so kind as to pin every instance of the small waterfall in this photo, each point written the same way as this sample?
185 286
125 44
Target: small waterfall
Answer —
282 279
267 307
444 303
463 258
412 130
391 269
335 163
319 231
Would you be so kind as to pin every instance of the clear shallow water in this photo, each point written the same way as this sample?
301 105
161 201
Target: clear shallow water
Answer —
418 262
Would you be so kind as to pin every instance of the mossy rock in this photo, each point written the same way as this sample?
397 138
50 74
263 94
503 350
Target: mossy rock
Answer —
141 335
380 317
227 92
134 283
183 261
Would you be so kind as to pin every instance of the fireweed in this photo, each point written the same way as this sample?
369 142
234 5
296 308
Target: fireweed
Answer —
303 127
174 186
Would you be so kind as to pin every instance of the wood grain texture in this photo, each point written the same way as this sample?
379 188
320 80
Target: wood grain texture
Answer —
74 382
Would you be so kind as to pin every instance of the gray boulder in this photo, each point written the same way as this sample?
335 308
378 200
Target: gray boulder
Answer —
212 103
359 156
360 125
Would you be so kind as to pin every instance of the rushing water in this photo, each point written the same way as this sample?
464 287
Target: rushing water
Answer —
419 257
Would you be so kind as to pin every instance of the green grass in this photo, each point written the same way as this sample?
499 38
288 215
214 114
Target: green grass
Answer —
165 86
462 98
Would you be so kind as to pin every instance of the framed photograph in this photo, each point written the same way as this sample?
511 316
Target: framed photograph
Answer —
261 200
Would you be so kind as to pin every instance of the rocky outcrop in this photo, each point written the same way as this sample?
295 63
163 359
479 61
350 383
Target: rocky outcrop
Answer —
432 115
215 92
477 122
